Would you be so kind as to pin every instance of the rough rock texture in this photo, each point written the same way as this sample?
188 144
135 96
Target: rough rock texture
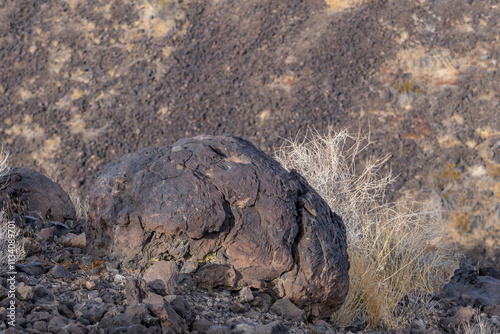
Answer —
162 277
221 202
467 283
285 308
104 299
37 193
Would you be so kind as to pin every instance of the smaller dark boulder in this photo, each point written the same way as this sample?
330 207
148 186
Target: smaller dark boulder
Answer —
162 277
33 191
32 269
467 282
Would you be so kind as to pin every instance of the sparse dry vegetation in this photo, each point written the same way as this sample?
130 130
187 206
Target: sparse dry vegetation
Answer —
81 205
8 230
4 167
396 250
478 325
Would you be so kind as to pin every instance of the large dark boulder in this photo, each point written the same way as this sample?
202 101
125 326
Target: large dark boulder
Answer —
236 213
33 191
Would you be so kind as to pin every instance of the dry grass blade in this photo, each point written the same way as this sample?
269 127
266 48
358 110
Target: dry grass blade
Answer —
478 325
394 248
4 167
81 205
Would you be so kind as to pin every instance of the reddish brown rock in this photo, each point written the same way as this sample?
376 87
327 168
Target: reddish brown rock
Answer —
224 204
36 192
287 309
213 275
162 277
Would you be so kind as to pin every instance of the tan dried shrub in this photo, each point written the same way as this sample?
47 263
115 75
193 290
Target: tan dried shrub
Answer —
395 248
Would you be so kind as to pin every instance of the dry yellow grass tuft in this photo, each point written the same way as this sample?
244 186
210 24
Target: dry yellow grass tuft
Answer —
4 167
396 250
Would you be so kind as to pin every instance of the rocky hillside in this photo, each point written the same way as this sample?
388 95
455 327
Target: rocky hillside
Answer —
83 82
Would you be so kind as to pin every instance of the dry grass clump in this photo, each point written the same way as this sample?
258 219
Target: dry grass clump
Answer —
4 167
396 250
478 325
81 205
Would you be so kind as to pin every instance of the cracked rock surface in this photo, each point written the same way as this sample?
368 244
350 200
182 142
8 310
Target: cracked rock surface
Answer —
227 213
22 186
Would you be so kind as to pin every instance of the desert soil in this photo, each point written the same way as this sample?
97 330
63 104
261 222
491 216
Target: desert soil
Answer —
84 82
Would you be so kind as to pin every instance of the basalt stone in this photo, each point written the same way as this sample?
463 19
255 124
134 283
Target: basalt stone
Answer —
218 329
201 325
182 307
287 309
222 203
275 327
135 291
161 309
162 277
56 324
36 193
120 320
466 282
60 272
133 329
32 269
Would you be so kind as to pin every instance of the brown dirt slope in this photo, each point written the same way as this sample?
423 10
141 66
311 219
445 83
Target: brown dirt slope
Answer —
83 82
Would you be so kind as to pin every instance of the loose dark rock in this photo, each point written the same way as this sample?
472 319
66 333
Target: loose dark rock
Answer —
181 307
32 269
56 324
161 309
466 285
287 309
218 329
42 292
202 325
162 277
60 272
41 326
